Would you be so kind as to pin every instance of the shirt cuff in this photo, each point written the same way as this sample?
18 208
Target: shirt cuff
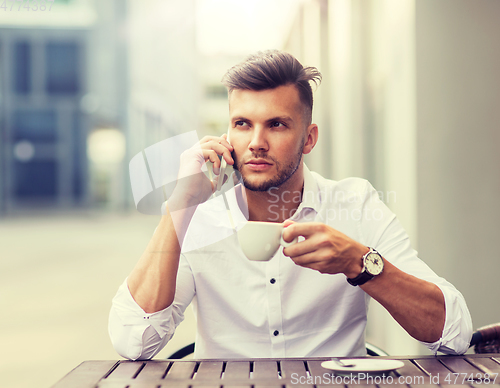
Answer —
457 331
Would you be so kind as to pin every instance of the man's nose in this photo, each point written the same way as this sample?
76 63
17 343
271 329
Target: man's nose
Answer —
259 140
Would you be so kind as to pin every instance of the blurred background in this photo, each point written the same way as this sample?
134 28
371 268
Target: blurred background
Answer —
409 100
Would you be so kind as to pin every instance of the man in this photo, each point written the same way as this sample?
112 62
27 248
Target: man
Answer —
299 303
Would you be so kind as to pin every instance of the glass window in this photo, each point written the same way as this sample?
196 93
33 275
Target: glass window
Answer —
62 68
34 125
21 68
35 179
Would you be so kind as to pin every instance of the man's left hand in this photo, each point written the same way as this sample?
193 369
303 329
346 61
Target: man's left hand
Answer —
324 249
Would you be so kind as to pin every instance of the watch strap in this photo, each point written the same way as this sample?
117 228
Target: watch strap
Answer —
362 278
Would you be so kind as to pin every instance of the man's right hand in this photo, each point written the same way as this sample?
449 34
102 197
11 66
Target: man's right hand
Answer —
152 282
193 187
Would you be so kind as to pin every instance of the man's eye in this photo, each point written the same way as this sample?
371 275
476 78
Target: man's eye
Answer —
239 123
277 124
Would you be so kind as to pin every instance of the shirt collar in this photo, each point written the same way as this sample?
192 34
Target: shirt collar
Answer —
311 195
311 199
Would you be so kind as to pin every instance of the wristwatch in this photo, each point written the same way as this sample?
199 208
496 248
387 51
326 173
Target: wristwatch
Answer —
373 265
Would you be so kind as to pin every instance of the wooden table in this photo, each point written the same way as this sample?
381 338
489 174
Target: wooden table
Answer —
471 370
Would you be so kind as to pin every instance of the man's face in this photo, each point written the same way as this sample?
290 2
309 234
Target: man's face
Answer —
268 133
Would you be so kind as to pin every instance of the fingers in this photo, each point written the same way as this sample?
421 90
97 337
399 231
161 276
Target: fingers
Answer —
225 137
291 230
219 146
221 140
324 249
212 156
306 229
300 248
308 254
311 260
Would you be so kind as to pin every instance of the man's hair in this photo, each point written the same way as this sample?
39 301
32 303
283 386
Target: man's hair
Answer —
271 69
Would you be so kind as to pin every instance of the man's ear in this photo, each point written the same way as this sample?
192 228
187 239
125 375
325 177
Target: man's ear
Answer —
311 139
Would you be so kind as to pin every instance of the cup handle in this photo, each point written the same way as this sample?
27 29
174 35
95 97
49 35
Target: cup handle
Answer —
287 244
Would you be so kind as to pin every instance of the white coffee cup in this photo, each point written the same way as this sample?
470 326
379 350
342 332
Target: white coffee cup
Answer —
260 241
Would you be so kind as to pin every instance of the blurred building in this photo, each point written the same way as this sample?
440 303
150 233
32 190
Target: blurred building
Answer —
63 75
174 87
87 85
163 71
214 108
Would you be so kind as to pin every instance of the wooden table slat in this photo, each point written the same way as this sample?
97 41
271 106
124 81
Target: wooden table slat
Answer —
214 385
134 384
395 384
126 370
265 369
432 366
315 368
154 370
459 365
181 370
488 365
448 370
86 375
119 383
230 385
292 367
411 374
209 370
333 384
295 372
237 385
294 384
290 385
175 384
275 385
237 370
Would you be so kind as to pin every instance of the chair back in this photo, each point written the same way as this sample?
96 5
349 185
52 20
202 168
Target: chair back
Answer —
486 339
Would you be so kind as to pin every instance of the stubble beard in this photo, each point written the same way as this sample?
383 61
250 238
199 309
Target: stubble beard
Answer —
283 173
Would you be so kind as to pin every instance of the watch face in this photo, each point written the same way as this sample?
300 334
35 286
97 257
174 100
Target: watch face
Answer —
374 264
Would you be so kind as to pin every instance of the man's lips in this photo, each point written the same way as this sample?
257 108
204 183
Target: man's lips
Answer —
258 161
258 164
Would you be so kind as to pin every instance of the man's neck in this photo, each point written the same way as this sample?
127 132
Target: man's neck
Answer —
279 203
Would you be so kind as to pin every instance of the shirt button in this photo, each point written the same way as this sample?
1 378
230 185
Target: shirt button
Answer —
276 332
273 280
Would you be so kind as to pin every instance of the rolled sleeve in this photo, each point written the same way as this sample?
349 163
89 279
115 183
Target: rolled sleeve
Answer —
135 334
457 331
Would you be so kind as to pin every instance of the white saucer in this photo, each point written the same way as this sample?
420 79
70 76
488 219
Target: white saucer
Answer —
363 365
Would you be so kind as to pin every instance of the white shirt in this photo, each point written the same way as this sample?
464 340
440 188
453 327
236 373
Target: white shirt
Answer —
276 309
